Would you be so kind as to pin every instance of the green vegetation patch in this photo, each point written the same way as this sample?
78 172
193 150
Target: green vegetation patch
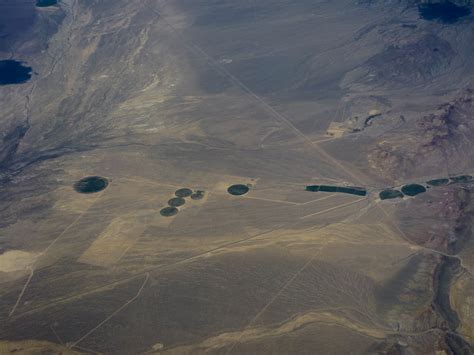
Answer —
184 192
199 194
389 194
438 182
169 211
360 191
461 178
413 189
238 189
176 201
91 184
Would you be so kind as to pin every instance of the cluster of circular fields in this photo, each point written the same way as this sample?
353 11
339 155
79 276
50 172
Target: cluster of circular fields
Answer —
406 190
179 200
93 184
416 189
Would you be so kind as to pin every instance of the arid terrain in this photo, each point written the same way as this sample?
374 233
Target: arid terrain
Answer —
236 177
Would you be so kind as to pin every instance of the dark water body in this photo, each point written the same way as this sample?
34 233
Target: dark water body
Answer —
46 3
359 191
438 182
169 211
91 184
238 189
184 192
413 189
389 194
445 12
16 19
176 201
14 72
199 194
